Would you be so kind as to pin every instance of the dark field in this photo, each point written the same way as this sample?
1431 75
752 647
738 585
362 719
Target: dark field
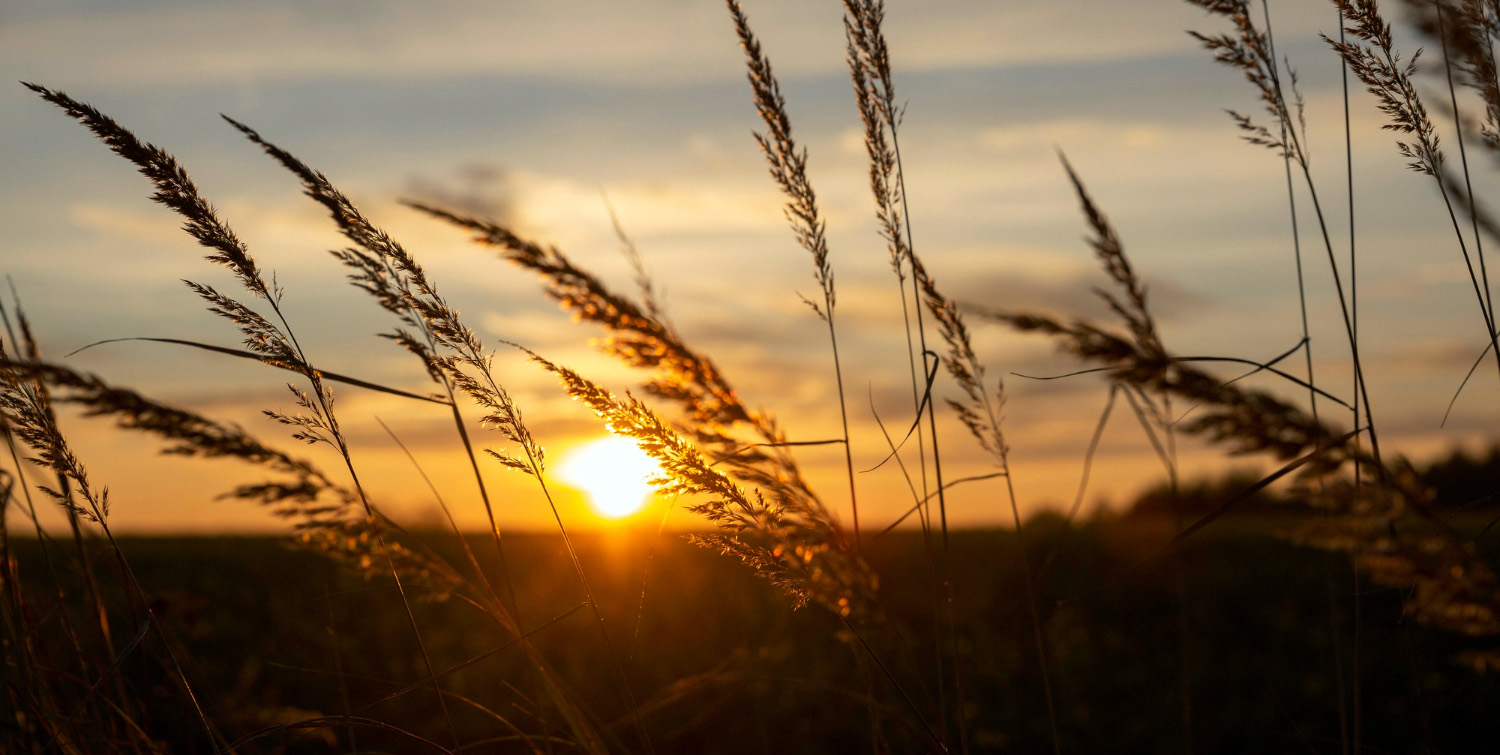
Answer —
718 663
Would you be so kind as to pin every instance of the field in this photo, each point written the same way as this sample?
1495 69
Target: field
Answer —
1332 590
722 665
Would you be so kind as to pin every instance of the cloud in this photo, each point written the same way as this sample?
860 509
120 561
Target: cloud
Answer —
1031 138
1437 354
177 43
481 189
651 206
1011 281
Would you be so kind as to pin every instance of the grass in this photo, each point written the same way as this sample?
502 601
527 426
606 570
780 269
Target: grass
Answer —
1180 629
715 679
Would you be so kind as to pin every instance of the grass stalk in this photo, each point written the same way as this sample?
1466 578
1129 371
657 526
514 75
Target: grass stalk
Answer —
1378 65
397 281
28 406
868 59
1349 718
937 462
788 167
1482 287
26 345
1036 621
278 345
838 373
1342 701
325 405
1249 51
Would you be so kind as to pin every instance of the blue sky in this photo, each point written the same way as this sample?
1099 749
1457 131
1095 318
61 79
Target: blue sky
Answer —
535 110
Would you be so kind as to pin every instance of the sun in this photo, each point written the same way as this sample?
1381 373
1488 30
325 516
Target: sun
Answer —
613 471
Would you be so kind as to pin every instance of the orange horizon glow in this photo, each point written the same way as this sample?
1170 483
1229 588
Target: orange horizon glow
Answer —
613 472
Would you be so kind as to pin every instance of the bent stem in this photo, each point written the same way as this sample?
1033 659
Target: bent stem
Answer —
343 449
1486 301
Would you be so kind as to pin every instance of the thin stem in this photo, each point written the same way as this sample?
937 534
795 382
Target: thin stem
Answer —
1338 661
1300 155
938 745
937 459
489 512
922 503
338 663
1433 166
140 594
497 611
1036 620
1488 321
916 391
920 508
943 567
1088 456
369 511
1180 557
993 416
463 434
1291 198
1308 354
838 373
1486 305
1486 299
43 539
1356 724
910 354
1349 721
400 588
1338 285
86 568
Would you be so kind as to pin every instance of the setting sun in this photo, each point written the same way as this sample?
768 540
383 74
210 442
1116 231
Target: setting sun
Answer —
613 471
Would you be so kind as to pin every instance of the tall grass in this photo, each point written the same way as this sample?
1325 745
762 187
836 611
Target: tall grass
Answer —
731 464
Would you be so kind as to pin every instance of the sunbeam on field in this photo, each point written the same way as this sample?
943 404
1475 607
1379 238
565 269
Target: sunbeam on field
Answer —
613 472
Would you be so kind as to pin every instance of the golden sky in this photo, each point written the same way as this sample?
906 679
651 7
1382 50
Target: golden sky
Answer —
534 111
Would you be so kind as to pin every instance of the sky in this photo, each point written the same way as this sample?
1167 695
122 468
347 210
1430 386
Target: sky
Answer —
536 112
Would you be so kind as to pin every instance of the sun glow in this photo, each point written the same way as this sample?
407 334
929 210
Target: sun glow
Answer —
613 471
